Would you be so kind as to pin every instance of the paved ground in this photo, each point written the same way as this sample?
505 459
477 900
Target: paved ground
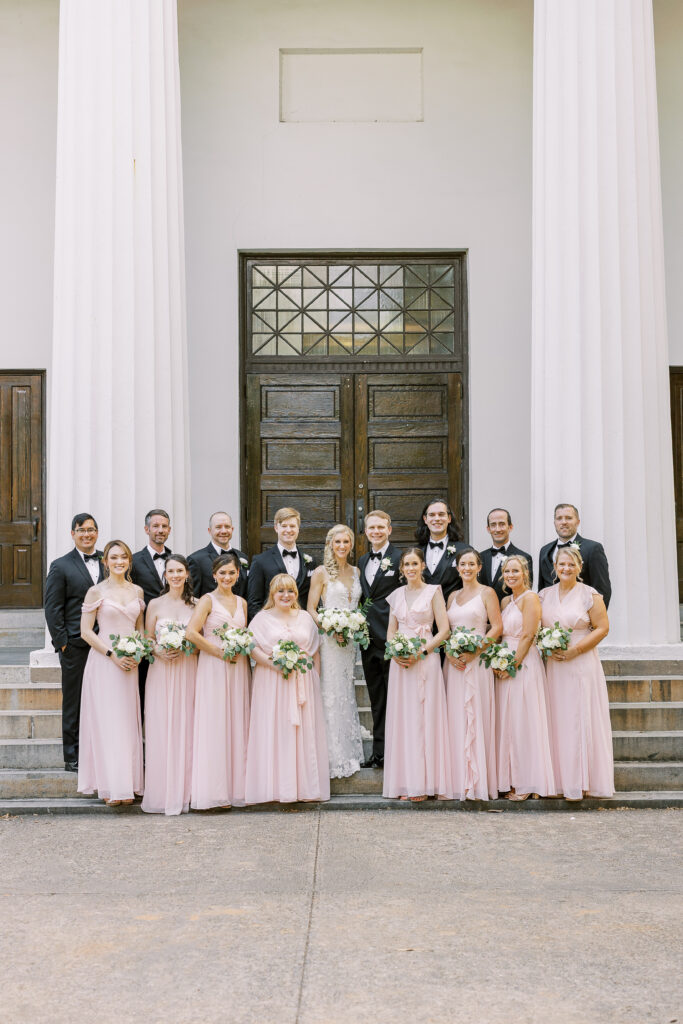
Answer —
370 917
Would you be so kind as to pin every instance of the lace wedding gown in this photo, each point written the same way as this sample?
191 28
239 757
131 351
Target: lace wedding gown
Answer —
344 740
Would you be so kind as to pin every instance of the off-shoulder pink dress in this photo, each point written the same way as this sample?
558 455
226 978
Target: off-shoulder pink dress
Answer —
221 719
580 729
169 721
110 738
287 757
524 760
417 753
470 695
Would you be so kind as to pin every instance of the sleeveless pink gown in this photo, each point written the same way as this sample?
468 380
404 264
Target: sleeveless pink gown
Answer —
524 759
417 753
169 721
287 757
580 729
221 720
470 696
110 738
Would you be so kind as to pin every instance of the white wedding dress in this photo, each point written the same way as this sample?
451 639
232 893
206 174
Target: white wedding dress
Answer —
344 739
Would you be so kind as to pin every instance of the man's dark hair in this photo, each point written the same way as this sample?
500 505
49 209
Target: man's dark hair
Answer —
499 509
80 518
566 504
422 531
156 512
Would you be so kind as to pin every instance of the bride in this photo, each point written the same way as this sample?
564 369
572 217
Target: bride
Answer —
336 584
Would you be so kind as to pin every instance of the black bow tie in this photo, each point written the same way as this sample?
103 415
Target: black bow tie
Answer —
91 558
498 551
161 555
565 543
290 554
375 554
436 544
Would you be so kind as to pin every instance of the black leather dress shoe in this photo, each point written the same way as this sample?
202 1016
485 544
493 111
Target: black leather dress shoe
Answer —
375 762
71 766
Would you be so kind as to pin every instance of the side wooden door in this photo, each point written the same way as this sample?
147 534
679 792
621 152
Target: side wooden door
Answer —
21 490
677 437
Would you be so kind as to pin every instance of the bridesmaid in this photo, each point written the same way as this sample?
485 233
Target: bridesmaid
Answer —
221 712
524 760
110 740
470 691
581 734
169 699
417 757
287 757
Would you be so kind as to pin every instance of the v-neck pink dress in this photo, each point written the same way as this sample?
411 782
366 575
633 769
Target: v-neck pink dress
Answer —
110 739
580 729
470 695
524 760
417 753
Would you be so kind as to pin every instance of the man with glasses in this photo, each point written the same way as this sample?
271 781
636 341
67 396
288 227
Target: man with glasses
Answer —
69 579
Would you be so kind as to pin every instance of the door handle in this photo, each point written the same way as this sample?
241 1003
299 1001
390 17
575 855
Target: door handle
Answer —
36 524
360 513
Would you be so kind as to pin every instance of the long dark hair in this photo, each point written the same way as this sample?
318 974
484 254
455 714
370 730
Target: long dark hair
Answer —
422 531
188 590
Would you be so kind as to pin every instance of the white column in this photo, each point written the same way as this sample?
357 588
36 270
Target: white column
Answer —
601 429
118 437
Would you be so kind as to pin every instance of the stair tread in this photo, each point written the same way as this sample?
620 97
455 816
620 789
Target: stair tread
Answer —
15 712
39 742
619 734
642 705
26 684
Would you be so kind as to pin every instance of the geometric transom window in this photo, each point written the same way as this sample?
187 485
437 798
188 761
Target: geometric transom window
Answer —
357 308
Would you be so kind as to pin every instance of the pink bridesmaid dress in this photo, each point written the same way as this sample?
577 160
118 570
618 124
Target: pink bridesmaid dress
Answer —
524 759
470 696
287 757
580 729
110 738
169 721
417 754
221 720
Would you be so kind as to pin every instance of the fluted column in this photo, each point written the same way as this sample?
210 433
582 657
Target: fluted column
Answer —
118 438
601 430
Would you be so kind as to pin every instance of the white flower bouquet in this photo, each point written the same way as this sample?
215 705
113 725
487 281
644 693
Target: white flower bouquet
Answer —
462 641
552 638
235 640
345 626
171 637
402 646
289 657
500 657
132 645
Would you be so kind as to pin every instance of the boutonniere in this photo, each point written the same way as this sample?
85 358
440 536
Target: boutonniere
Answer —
450 550
385 564
307 559
244 562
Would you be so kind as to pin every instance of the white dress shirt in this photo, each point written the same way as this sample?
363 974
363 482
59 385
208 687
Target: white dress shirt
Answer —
93 566
292 565
160 563
434 555
497 560
564 544
372 568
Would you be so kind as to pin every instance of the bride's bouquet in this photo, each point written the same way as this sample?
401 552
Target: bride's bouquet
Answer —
345 625
132 645
235 640
462 641
289 657
171 637
500 657
402 646
552 638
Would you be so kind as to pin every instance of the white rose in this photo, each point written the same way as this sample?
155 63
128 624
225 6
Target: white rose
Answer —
556 634
130 647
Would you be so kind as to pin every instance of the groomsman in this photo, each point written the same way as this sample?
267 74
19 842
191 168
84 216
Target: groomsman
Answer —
499 526
284 556
379 576
595 570
68 580
147 571
439 538
200 562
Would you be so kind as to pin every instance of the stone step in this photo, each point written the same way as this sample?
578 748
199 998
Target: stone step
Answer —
28 754
11 619
18 784
15 675
648 775
29 725
644 689
663 745
39 697
22 636
647 716
45 674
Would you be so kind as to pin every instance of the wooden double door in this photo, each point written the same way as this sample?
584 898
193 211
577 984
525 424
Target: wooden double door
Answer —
337 445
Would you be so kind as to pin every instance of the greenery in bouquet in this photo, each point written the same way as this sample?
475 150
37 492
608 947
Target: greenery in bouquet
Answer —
462 641
500 658
132 645
402 646
171 637
235 640
552 638
345 625
289 657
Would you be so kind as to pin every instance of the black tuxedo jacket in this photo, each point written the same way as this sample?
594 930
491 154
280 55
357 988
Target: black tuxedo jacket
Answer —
385 582
68 581
446 573
200 563
595 570
144 573
485 574
267 565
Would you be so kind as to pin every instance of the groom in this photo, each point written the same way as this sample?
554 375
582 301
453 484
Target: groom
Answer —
378 578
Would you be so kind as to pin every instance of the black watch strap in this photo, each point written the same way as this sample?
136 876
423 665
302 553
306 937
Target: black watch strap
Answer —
109 653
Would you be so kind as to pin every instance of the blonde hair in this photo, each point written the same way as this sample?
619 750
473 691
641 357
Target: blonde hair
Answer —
524 566
286 513
128 553
380 515
283 581
329 558
573 551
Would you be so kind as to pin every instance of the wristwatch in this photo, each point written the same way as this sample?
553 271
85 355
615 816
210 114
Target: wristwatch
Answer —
109 653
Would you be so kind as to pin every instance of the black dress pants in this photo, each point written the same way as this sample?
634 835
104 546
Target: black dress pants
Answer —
376 671
72 660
